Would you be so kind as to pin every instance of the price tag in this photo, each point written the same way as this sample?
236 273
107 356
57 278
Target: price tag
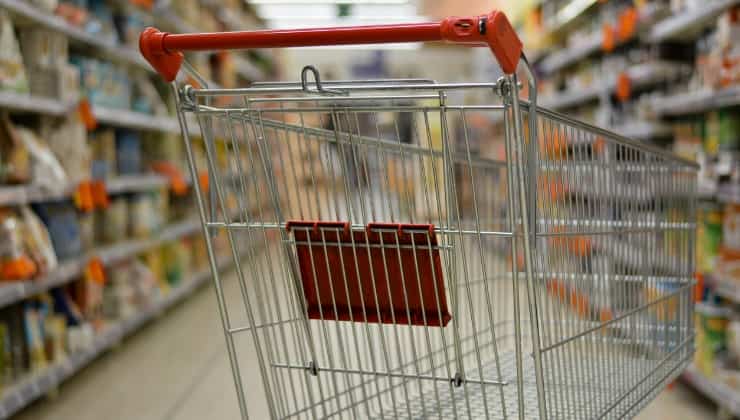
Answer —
84 109
178 184
607 38
94 271
627 24
623 89
83 197
203 181
99 194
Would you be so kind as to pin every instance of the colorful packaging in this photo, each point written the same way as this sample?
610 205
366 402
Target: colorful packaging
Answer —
709 236
711 328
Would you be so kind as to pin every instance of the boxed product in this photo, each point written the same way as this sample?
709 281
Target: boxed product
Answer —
112 223
142 215
119 295
12 72
128 152
43 49
61 221
103 148
175 257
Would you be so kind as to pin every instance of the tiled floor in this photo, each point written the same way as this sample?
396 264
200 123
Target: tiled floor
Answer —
177 369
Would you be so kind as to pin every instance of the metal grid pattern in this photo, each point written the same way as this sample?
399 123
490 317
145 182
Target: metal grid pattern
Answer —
566 252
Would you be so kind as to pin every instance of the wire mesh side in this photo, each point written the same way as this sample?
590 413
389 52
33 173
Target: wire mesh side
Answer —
614 268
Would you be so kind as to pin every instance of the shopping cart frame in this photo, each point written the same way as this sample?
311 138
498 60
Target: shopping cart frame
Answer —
164 52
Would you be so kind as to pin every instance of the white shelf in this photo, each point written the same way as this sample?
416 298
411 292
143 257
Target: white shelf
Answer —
23 11
572 54
727 289
687 24
642 130
593 41
640 76
722 395
26 103
11 292
19 395
729 193
24 194
696 102
136 120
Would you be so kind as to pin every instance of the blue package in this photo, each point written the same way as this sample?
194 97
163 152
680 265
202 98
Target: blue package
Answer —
61 220
128 152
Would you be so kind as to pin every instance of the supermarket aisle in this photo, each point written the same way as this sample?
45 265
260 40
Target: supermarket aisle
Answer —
177 369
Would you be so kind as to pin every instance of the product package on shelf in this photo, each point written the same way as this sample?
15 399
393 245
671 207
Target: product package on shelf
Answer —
112 223
103 144
64 229
67 139
103 83
15 160
45 55
15 261
13 75
128 152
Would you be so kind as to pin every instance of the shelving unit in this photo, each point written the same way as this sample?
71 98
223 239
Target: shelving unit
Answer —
722 395
686 24
24 194
24 11
640 76
15 396
69 270
696 102
21 394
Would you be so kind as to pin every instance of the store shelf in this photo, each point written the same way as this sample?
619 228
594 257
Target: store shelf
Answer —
729 193
23 11
11 292
696 102
722 395
18 396
23 194
726 288
592 43
641 75
642 130
24 102
572 54
568 14
136 120
687 24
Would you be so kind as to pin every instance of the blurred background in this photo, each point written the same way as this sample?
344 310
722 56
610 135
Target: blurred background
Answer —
102 313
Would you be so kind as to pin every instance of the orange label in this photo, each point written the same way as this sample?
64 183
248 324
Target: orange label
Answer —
84 109
178 184
623 89
94 271
83 197
627 24
19 268
99 194
203 180
607 38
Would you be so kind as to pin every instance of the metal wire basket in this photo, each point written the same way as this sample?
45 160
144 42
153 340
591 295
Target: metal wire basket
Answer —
414 266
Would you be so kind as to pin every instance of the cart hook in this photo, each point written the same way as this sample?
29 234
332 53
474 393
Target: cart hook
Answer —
317 80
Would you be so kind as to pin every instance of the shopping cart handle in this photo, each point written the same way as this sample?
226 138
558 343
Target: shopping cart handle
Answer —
164 51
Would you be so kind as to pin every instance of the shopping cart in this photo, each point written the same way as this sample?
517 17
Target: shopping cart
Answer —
413 263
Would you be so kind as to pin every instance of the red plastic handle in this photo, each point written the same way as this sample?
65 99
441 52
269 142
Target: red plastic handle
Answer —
164 50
